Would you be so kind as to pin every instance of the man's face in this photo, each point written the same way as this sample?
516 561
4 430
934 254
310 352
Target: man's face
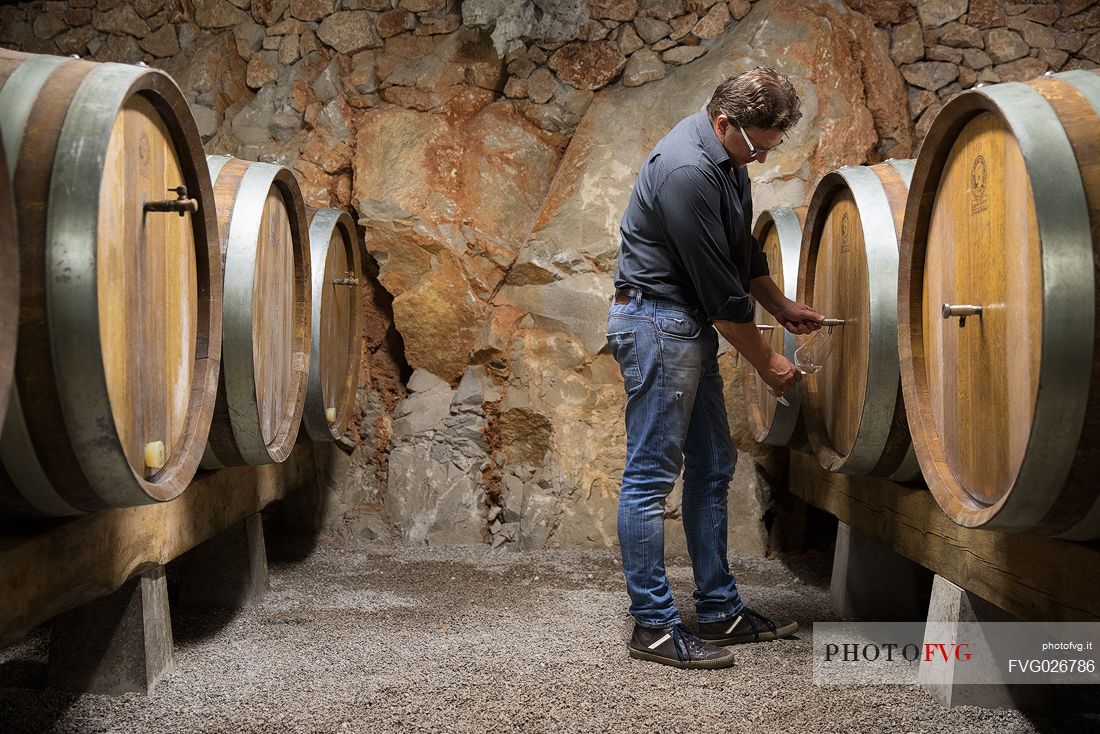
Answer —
741 151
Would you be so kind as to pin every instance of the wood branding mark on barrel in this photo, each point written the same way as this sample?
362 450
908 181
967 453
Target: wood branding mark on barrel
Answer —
979 176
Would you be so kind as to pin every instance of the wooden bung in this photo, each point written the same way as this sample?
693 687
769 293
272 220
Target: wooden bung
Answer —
337 323
848 270
779 232
266 331
119 306
998 309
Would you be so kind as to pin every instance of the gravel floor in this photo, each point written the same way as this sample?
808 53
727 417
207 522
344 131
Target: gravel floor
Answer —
472 640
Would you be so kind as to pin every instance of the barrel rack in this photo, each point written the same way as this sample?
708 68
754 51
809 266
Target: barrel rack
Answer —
1035 578
71 563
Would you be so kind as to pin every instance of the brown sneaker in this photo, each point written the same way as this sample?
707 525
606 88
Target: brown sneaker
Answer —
676 646
747 626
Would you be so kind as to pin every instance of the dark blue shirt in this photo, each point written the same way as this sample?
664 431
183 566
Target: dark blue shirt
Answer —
685 232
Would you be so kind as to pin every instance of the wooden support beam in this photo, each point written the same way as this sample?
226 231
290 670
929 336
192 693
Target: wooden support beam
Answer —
47 570
1032 577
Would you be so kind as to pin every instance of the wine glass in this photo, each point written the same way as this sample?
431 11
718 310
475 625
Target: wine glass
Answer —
810 358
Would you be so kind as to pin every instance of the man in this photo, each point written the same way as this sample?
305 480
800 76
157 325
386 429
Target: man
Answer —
687 260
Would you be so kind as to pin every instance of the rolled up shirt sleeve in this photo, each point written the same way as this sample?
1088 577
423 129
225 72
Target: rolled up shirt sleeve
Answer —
689 202
759 263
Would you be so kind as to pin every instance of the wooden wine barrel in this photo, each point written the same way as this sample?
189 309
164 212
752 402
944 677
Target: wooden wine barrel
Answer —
779 232
266 315
9 280
1005 216
337 335
120 305
853 410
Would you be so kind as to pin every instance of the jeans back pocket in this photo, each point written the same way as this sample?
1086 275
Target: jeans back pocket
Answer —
677 324
625 351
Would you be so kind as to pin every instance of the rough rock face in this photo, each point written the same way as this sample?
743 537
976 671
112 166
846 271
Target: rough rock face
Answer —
495 250
357 42
545 20
213 76
445 198
555 378
588 65
435 465
577 230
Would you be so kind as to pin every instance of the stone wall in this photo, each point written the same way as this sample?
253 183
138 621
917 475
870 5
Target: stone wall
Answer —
488 149
945 46
555 53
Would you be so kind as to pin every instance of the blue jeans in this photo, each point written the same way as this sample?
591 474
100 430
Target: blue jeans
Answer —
675 418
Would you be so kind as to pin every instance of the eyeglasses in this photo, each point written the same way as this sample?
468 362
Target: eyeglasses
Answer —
755 152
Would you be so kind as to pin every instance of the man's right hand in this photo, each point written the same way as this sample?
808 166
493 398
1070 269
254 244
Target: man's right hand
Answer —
780 374
775 369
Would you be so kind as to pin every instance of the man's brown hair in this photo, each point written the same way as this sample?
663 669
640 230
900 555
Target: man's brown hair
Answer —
761 98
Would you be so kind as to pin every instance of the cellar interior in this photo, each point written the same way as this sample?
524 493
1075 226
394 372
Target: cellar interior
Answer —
318 412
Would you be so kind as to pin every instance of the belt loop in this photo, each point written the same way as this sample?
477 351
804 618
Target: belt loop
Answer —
637 297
